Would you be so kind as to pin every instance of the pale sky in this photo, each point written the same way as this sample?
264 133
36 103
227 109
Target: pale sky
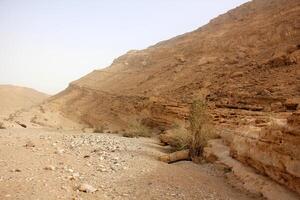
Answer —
46 44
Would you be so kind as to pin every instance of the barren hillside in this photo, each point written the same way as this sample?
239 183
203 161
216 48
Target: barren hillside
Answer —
13 98
247 58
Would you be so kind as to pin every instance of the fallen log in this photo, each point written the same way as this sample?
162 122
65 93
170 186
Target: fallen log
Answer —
176 156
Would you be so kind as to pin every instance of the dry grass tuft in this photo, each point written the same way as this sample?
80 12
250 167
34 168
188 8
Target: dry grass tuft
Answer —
179 138
99 129
137 129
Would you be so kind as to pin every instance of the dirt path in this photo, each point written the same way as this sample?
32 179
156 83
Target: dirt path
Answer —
45 164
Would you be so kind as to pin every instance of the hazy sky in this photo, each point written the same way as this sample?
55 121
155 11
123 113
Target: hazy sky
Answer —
45 44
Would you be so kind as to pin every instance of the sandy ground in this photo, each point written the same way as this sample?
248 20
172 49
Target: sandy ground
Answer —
48 164
14 98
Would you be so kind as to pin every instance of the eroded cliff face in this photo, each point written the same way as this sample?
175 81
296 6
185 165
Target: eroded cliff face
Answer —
272 150
245 63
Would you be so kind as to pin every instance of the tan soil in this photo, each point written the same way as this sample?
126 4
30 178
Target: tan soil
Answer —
119 168
14 98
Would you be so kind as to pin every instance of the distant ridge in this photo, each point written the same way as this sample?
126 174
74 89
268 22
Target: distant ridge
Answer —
13 98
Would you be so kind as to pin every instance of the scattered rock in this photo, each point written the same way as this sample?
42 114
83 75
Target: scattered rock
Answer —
59 151
86 188
15 170
292 104
29 144
50 168
237 74
76 174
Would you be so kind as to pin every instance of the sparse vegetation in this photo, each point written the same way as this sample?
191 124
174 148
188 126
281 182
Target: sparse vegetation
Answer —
99 129
201 128
179 138
196 137
137 129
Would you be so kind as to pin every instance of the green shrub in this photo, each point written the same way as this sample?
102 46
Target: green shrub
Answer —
201 128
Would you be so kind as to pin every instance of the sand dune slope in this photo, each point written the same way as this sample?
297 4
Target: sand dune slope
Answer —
13 98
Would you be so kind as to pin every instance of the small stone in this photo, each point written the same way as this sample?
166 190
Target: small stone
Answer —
29 144
102 170
15 170
63 187
86 188
59 151
70 170
88 164
50 168
113 168
76 174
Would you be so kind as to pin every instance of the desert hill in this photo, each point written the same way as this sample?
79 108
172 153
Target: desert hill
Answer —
245 64
14 98
247 58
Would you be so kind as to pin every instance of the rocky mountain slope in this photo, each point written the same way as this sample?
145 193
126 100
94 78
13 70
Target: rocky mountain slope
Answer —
247 59
13 98
245 64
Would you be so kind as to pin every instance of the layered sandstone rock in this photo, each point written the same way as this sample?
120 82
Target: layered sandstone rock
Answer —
273 150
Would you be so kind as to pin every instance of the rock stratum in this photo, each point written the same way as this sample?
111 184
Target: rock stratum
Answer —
245 64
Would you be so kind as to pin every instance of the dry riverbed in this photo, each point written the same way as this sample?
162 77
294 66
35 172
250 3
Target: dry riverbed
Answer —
48 164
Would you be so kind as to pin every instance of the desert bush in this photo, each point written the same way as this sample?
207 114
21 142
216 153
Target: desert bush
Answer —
137 129
2 125
99 129
201 128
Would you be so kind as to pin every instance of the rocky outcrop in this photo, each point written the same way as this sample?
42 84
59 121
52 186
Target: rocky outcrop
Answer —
252 181
273 150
